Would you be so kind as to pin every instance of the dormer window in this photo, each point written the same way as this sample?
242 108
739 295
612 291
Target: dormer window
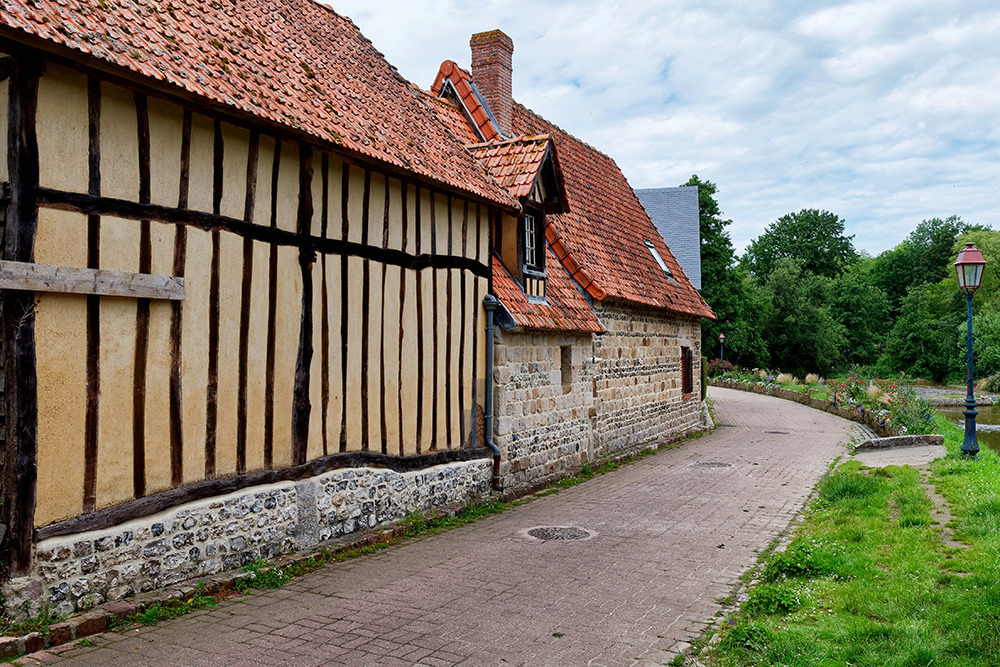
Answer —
659 260
531 246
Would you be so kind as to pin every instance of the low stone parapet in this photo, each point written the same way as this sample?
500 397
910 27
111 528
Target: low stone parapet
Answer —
901 441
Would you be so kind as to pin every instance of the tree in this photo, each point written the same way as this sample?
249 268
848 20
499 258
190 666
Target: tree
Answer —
723 287
922 341
924 257
863 310
799 330
814 237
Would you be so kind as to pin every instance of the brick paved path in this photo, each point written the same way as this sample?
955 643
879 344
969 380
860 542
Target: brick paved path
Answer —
671 534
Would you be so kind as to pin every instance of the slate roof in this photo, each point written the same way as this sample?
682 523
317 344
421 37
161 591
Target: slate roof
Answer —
513 163
605 228
565 310
674 211
293 62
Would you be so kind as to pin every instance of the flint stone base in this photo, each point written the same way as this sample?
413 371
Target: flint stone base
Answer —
77 572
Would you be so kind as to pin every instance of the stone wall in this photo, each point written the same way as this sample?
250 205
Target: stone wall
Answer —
542 423
201 538
565 399
637 392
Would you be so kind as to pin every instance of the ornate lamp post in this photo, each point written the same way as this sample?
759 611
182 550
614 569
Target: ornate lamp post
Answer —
722 347
969 266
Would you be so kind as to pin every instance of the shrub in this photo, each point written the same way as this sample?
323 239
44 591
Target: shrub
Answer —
785 378
717 367
812 379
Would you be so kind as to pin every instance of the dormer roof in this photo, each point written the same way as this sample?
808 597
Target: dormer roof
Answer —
526 167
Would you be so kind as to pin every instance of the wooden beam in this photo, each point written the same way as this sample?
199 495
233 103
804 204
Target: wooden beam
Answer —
72 280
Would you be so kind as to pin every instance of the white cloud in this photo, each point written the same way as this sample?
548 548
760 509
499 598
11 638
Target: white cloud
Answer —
882 112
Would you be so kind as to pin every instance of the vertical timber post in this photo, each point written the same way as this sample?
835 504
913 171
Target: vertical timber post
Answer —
18 336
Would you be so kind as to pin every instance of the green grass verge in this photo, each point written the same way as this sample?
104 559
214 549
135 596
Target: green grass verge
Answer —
867 579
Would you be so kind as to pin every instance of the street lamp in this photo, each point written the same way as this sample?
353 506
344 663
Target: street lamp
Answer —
722 347
969 266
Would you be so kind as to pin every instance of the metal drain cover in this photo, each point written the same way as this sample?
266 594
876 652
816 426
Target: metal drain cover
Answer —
712 464
556 533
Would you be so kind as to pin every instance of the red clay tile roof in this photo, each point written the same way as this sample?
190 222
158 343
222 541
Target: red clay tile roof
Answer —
565 308
514 163
293 62
462 81
604 231
452 117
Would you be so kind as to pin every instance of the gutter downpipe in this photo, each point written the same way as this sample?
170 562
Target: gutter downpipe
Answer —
490 304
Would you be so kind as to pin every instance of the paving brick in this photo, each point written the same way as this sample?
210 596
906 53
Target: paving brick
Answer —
641 587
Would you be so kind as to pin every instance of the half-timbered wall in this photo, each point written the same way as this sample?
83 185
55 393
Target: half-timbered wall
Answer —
328 309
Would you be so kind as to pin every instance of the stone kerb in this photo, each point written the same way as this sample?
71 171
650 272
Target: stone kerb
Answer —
867 418
901 441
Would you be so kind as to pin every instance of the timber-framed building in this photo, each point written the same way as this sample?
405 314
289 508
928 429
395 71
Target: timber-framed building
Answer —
242 273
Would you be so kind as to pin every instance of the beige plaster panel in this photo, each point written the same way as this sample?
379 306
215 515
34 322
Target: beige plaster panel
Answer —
374 369
425 223
202 164
4 92
334 226
484 237
316 225
395 236
411 217
335 409
355 204
508 248
481 287
442 224
354 307
465 334
288 317
194 351
166 131
315 443
158 474
119 252
119 144
408 380
230 307
257 356
61 363
235 153
425 283
288 187
265 166
457 220
438 331
63 128
390 351
376 210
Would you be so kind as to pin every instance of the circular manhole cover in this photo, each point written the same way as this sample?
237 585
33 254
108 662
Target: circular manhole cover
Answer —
557 533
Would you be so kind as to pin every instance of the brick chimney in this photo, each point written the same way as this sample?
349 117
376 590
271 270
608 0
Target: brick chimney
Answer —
492 55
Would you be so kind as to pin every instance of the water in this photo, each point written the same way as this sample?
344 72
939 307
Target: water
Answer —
987 422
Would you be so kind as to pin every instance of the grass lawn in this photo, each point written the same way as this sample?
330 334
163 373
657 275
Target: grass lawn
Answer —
867 579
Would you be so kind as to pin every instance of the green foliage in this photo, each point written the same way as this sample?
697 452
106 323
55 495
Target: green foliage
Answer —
863 310
159 611
801 559
769 599
813 237
724 287
800 332
922 341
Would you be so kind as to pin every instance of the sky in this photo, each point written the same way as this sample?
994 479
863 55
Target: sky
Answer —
885 112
